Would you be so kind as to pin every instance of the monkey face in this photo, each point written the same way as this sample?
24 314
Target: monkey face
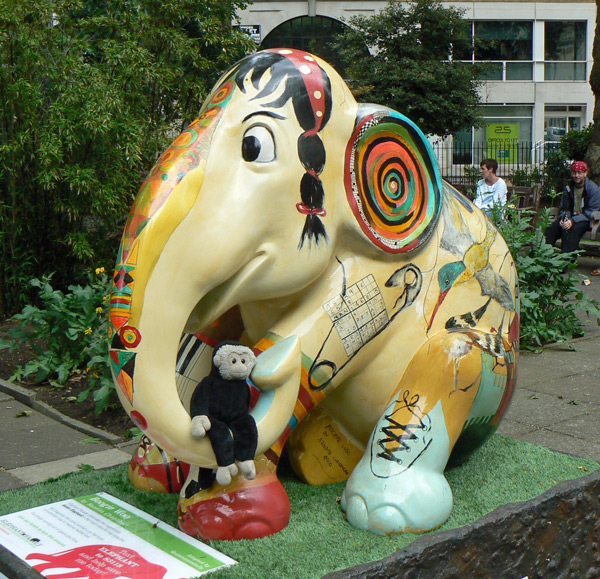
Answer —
234 362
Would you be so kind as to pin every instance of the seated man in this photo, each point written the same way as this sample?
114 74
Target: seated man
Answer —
580 199
491 190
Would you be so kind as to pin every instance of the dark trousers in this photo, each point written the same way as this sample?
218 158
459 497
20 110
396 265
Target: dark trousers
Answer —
570 237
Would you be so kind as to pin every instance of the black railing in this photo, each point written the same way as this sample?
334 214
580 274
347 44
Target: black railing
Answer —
522 162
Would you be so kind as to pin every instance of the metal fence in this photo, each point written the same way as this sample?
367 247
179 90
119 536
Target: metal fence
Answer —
459 162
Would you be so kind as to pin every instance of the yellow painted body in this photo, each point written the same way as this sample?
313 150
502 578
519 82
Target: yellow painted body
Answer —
379 302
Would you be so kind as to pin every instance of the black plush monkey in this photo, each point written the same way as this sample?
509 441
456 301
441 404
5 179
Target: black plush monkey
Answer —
220 409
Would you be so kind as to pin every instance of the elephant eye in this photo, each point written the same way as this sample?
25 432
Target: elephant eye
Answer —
258 145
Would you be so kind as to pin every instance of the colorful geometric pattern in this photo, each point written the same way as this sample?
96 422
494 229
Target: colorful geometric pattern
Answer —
122 365
392 182
182 156
308 397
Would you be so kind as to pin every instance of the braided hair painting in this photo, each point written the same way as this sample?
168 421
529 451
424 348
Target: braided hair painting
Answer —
309 88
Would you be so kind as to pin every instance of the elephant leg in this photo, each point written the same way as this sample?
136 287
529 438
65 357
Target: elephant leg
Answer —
153 469
399 483
244 509
248 509
319 452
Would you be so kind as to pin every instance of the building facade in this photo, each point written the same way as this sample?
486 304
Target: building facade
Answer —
537 87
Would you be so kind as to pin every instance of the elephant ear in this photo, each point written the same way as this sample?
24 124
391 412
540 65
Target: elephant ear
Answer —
392 180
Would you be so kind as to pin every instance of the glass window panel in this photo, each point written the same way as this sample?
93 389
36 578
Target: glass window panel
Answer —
505 40
462 150
565 40
519 71
509 111
307 33
564 71
493 71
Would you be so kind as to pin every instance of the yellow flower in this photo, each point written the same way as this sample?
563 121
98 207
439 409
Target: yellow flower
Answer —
88 331
99 270
99 310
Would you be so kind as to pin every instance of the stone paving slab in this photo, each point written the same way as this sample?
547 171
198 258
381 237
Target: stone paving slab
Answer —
561 443
585 426
559 362
9 482
514 429
98 460
570 388
34 438
540 410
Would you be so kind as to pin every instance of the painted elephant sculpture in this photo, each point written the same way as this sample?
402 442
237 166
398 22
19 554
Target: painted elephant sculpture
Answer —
382 305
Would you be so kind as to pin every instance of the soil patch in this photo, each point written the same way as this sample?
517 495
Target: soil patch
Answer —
114 419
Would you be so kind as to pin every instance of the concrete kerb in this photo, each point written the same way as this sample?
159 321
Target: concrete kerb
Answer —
28 398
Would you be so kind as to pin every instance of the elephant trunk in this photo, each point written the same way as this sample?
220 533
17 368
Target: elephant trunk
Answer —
156 290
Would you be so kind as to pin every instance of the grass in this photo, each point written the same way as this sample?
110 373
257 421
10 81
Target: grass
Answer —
318 539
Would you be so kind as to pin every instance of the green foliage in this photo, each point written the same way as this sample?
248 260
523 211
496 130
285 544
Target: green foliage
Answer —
525 177
574 144
473 174
90 94
69 336
550 299
572 147
414 65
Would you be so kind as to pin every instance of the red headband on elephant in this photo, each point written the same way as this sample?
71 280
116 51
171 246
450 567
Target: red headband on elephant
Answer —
313 80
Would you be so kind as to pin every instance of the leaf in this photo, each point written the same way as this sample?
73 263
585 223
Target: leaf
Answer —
23 413
85 467
91 440
573 402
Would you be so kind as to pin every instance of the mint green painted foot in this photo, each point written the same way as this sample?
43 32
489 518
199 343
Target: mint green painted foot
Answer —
399 486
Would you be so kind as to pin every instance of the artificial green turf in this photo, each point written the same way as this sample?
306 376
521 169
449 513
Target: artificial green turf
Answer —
318 539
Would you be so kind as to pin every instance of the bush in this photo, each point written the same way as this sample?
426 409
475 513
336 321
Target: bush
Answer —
91 93
69 335
524 177
574 144
572 147
550 299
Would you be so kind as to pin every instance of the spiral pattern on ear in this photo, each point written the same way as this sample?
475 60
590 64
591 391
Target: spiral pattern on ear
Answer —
392 180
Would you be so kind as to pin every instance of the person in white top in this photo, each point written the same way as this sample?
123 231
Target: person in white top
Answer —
491 190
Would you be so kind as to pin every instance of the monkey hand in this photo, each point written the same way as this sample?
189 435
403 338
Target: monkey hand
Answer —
200 424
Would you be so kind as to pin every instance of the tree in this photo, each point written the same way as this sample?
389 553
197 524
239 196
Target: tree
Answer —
414 64
91 91
593 153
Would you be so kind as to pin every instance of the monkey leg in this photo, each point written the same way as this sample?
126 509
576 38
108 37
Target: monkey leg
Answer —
245 437
221 440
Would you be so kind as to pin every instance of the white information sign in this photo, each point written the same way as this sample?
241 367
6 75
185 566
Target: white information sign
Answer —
100 537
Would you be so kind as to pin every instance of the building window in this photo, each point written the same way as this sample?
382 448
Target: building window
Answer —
505 136
560 119
312 34
565 50
508 48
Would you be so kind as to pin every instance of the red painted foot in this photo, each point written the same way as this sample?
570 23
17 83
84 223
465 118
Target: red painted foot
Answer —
243 510
152 469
